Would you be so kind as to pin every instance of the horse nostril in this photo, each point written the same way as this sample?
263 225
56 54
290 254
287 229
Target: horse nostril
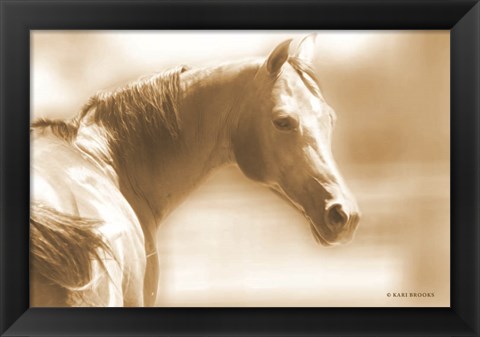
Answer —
336 216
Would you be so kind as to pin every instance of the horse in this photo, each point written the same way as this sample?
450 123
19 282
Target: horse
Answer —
103 181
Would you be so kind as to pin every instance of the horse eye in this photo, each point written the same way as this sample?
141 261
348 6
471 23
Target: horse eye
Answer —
286 123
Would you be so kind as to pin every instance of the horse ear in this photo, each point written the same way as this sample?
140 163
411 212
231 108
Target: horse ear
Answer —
277 57
306 48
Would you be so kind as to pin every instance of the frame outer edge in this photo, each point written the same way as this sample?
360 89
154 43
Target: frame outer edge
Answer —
477 187
3 177
14 162
3 308
465 60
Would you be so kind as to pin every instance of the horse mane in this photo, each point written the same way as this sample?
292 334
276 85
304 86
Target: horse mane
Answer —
138 109
141 108
64 129
63 246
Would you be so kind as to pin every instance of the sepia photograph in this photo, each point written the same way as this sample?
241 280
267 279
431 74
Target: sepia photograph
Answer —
240 168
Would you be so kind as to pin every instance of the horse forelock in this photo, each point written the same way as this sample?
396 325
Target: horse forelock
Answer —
307 74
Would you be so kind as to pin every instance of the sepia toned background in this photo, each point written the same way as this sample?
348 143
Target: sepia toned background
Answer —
234 243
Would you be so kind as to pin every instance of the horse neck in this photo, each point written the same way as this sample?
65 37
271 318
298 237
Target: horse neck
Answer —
155 178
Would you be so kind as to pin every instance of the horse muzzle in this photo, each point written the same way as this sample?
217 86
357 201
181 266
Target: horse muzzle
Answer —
338 227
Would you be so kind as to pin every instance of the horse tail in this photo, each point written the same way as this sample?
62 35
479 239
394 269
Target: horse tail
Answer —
63 246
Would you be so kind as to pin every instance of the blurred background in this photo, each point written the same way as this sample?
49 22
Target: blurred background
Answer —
234 243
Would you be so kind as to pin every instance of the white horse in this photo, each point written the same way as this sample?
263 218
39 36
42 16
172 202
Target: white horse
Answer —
103 182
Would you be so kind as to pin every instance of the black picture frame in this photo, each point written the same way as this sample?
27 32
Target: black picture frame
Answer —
18 17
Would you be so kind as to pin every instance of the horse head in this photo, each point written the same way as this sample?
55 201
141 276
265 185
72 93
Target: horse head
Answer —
283 140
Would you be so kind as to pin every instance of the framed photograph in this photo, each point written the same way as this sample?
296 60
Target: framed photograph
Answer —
275 168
